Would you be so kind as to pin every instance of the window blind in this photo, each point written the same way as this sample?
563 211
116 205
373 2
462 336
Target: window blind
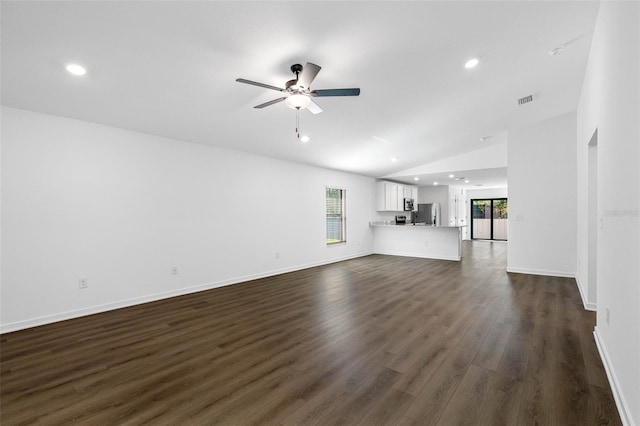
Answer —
335 219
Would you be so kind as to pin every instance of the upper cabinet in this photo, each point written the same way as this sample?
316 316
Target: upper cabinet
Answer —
400 197
390 196
387 196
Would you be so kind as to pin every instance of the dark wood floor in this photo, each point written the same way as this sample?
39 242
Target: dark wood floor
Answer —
379 340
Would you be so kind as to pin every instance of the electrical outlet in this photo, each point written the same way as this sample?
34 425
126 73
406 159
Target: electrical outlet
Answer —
607 314
83 283
277 255
174 270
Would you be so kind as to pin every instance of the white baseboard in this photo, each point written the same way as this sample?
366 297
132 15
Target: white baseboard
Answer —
587 306
544 272
62 316
621 404
422 256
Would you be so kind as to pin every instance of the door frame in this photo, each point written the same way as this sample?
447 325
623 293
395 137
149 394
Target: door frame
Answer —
491 206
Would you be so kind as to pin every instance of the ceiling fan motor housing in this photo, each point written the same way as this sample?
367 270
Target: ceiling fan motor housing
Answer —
296 69
291 85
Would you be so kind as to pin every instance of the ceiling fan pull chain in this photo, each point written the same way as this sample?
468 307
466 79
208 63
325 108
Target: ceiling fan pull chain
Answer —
298 123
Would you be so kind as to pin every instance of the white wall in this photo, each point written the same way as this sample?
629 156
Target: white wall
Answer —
610 102
436 194
542 197
121 208
489 157
476 194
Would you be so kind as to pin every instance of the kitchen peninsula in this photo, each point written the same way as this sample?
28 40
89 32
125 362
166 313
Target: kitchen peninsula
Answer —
419 240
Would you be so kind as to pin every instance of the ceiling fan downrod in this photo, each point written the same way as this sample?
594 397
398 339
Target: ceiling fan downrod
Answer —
296 69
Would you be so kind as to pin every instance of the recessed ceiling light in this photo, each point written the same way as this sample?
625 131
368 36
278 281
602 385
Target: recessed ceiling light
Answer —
435 183
304 138
394 159
466 181
482 139
76 69
416 178
452 175
471 63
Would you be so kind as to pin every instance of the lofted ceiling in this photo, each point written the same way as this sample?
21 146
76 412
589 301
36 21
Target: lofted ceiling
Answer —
169 69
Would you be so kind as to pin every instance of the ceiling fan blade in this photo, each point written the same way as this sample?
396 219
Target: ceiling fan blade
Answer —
336 92
255 83
266 104
314 108
309 72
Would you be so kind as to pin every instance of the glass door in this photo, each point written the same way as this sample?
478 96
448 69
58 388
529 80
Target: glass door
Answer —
499 219
481 223
489 219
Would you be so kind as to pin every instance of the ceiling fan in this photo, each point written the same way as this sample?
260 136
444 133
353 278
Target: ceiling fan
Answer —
298 91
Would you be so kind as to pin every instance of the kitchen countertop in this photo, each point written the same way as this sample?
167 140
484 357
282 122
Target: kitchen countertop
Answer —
391 223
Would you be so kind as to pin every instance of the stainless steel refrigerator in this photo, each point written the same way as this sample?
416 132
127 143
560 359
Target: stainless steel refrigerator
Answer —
428 213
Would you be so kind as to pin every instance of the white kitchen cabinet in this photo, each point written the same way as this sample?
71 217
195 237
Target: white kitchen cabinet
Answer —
400 197
411 191
390 196
387 196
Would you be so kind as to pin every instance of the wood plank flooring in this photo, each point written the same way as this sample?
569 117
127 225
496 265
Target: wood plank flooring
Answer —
379 340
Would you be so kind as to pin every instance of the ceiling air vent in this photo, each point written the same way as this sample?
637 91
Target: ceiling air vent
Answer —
525 100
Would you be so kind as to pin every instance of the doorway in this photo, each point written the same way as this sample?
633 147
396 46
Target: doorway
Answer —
489 219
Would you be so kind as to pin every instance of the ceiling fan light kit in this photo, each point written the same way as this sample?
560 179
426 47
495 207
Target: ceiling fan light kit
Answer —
298 101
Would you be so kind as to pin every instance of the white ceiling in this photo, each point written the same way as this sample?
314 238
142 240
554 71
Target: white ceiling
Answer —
168 68
478 178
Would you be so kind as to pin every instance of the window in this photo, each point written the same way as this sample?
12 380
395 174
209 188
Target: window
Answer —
336 220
